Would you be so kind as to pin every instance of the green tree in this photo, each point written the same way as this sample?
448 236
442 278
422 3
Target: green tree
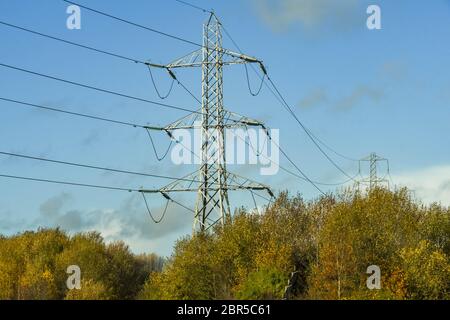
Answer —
90 290
426 272
265 284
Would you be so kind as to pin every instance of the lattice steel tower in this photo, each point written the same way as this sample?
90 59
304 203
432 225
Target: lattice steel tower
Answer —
212 179
374 180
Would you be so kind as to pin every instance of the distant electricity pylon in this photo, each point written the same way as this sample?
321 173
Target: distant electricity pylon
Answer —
374 180
214 179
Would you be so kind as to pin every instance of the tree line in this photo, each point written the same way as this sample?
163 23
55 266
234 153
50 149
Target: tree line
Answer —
327 243
321 247
33 265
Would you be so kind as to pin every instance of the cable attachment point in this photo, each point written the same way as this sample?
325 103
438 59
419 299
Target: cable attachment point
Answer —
266 131
172 74
269 191
263 68
169 134
165 195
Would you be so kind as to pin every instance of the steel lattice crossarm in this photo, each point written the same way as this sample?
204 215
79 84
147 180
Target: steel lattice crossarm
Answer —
194 59
230 120
189 183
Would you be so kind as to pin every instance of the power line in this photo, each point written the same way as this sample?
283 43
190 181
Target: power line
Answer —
221 50
162 97
73 43
331 149
245 66
305 177
188 91
164 105
283 101
287 107
134 125
293 173
299 170
92 186
159 158
69 183
75 164
262 197
135 24
78 114
148 64
150 213
193 6
147 128
87 166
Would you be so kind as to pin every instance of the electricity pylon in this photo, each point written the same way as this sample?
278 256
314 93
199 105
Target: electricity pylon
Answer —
373 179
212 179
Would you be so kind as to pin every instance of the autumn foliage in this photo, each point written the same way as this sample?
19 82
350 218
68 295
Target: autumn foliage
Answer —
33 266
328 242
322 247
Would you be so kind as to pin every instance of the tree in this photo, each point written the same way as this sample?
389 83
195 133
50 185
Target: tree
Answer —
264 284
33 265
363 230
90 290
426 272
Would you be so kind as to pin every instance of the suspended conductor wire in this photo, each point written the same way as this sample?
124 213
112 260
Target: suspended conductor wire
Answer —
119 94
254 201
298 169
281 99
248 143
193 6
99 89
89 186
72 113
154 147
291 112
99 51
249 85
284 103
133 23
245 66
150 213
188 91
162 97
269 200
71 42
87 166
305 177
257 151
76 184
331 149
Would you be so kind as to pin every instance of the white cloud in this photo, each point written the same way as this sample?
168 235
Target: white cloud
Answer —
429 184
129 223
312 14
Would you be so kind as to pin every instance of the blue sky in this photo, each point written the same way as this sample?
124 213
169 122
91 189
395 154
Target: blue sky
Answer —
361 91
